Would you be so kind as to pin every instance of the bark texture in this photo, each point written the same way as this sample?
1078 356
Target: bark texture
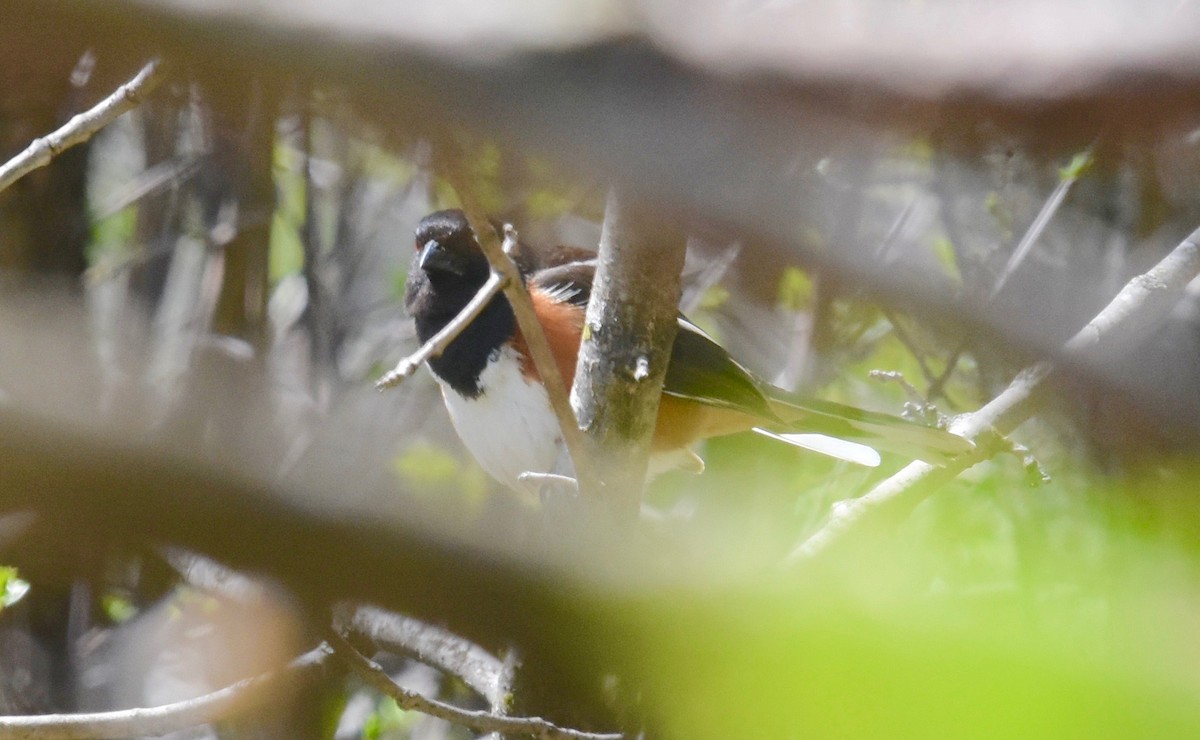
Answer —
630 326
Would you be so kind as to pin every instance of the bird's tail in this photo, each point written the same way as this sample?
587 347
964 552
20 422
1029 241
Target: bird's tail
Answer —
880 431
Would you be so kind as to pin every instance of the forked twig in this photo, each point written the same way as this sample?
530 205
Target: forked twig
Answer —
535 338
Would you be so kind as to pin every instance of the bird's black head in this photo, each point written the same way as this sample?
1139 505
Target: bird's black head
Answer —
447 250
447 271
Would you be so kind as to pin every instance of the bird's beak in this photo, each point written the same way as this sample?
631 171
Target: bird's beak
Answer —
436 258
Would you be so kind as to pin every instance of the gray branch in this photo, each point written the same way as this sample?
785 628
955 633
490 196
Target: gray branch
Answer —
153 721
81 127
1137 308
486 674
378 679
631 322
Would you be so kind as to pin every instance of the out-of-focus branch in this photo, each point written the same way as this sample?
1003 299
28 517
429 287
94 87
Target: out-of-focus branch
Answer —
82 126
1140 305
486 674
1040 222
630 325
378 679
154 721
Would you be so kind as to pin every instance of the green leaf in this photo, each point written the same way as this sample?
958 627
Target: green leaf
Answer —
387 718
285 249
118 608
715 297
1078 166
943 249
430 470
12 587
795 289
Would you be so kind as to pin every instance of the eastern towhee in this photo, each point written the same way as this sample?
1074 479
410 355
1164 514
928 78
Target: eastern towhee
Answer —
500 408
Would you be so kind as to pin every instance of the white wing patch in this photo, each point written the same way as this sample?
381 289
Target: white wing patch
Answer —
686 325
510 427
562 292
841 449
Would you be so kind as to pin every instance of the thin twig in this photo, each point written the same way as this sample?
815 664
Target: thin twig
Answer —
909 344
938 387
438 343
153 721
1141 304
375 677
1035 230
150 181
535 338
82 126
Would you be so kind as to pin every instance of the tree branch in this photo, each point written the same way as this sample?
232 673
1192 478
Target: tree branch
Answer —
378 679
438 343
161 720
82 126
631 322
531 328
1139 306
486 674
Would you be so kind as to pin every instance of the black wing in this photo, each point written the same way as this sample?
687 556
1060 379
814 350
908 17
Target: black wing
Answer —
699 369
703 371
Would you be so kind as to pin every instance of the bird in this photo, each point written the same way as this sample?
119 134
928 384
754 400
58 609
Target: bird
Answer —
499 407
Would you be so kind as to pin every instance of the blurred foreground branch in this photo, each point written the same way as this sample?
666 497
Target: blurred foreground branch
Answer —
1140 305
82 126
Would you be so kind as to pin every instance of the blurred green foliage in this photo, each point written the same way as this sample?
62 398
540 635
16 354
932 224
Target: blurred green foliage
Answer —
12 587
428 470
995 610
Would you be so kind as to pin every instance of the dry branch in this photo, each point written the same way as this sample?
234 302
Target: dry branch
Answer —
486 674
82 126
154 721
378 679
438 343
539 348
1138 307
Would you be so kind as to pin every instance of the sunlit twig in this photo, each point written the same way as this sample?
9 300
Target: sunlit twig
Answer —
154 721
1140 305
82 126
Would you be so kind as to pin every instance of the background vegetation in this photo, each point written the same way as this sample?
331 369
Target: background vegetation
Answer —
198 480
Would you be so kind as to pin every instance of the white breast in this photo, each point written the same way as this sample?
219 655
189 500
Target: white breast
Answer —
510 427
